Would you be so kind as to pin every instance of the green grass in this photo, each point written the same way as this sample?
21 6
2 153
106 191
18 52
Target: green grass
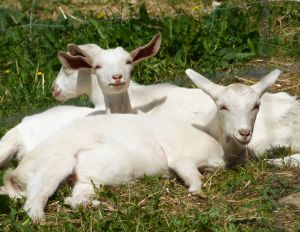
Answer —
245 199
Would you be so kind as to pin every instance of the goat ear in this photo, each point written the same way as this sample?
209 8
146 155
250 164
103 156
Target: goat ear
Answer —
203 83
75 50
147 50
74 62
265 83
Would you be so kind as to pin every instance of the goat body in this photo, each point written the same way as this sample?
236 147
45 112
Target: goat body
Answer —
32 130
246 116
99 153
19 140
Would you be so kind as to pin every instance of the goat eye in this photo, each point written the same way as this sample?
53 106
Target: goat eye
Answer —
222 107
128 62
98 66
256 107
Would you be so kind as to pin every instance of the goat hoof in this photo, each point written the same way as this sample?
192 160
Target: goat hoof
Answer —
36 216
67 201
96 203
195 189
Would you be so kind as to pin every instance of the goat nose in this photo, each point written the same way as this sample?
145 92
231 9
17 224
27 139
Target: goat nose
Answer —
117 76
244 132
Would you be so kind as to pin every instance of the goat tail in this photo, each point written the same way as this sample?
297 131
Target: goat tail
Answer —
8 146
13 185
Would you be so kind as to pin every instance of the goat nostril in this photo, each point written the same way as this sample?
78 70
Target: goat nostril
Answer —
244 132
117 76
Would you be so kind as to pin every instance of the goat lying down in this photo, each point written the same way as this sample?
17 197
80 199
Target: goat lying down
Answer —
278 113
33 129
104 94
119 149
156 99
245 117
111 149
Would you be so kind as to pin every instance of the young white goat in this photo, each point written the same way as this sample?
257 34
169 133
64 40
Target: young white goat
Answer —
278 113
184 147
181 144
246 116
116 63
155 99
71 83
112 69
111 149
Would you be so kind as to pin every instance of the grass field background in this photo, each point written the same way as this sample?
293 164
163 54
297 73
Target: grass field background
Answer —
237 42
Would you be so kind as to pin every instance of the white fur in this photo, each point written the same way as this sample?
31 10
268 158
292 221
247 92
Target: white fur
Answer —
71 83
292 161
278 112
154 99
111 68
277 122
119 149
19 140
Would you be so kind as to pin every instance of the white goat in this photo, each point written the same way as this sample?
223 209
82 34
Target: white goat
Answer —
179 141
116 63
277 122
112 69
19 140
278 112
71 83
155 99
142 136
111 149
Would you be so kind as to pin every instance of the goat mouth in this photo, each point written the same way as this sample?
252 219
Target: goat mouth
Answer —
117 84
243 142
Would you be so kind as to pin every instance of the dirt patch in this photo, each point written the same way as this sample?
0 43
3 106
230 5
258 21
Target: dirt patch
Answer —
106 9
291 200
250 72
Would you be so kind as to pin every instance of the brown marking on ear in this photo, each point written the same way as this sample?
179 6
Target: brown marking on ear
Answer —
75 50
74 62
147 50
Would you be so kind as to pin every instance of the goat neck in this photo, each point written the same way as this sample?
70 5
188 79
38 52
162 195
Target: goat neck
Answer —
118 103
95 93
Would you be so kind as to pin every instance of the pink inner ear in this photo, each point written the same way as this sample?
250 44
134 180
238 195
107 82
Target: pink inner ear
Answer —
143 53
75 62
74 50
146 51
79 62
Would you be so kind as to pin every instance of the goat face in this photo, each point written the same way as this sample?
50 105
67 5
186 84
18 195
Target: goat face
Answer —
70 83
112 68
238 106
